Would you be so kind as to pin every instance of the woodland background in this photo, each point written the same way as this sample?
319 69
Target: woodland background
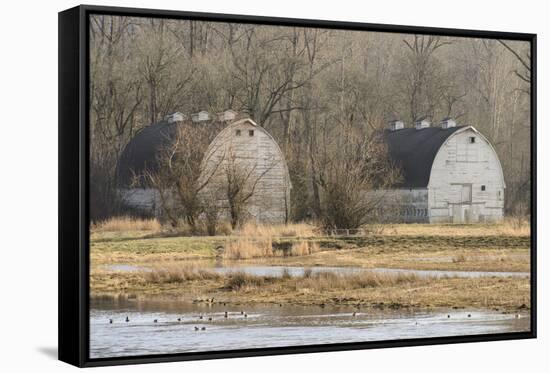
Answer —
317 91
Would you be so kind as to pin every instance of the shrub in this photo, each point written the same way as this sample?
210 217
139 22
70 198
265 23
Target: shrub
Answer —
126 223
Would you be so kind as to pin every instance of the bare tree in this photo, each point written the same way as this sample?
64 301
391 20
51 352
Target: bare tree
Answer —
241 180
357 166
180 175
423 88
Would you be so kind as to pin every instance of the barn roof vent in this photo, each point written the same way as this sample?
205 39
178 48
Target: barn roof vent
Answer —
448 123
396 125
201 116
227 115
422 123
175 117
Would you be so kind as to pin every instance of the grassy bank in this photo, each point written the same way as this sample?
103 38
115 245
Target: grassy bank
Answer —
444 247
177 265
364 289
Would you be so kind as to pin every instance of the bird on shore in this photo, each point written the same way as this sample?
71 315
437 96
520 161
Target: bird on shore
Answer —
200 317
242 312
196 328
448 316
179 319
225 314
469 315
354 314
203 328
209 319
155 320
245 315
110 321
518 316
127 319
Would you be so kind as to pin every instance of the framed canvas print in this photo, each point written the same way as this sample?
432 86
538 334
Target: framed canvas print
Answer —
235 186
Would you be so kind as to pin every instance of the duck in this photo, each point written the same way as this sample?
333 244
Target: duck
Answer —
469 315
203 328
179 319
448 316
242 312
155 320
209 319
245 315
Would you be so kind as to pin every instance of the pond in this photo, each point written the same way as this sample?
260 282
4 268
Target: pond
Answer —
296 271
270 326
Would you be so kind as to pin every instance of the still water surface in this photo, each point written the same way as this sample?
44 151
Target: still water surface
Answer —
297 271
270 326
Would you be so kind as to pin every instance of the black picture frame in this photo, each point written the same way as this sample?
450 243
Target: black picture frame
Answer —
74 191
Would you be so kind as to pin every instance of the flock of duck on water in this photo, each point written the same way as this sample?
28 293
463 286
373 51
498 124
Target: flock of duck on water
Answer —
201 317
245 315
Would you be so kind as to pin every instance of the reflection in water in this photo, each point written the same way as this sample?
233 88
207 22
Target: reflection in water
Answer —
279 271
269 326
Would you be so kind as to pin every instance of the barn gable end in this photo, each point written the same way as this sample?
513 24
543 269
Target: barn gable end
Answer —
449 174
466 180
255 151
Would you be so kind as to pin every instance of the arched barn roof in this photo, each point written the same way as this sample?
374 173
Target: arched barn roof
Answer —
141 153
415 150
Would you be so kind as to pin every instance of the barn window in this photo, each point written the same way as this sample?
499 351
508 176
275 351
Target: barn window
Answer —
237 132
250 132
472 139
483 188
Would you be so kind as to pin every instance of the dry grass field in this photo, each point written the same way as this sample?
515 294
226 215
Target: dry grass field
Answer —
169 264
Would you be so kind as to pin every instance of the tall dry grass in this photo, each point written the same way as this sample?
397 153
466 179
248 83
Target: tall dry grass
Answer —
302 248
510 226
256 241
323 281
176 273
301 230
248 247
126 224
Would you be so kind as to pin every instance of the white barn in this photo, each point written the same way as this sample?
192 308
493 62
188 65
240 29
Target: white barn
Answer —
255 152
243 142
450 174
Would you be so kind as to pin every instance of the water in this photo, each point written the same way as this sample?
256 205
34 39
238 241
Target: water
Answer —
279 271
270 326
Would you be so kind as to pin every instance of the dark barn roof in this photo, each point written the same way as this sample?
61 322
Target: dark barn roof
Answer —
141 152
415 150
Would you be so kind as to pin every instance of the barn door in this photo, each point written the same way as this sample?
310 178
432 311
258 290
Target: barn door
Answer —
466 194
464 212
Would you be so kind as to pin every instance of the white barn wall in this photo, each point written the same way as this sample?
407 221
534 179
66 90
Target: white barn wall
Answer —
406 205
146 200
270 202
461 162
